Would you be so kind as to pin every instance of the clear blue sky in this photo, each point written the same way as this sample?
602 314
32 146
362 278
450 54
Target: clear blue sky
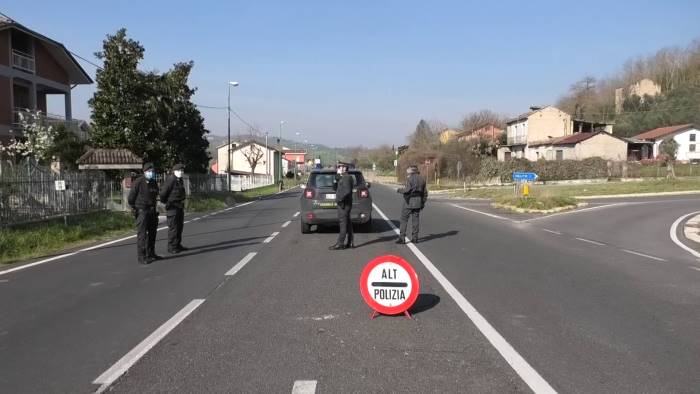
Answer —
364 72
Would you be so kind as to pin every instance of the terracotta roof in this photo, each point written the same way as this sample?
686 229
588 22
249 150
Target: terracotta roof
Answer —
662 132
109 156
575 138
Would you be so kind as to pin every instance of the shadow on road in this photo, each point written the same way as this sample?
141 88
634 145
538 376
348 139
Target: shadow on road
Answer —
438 236
424 303
207 249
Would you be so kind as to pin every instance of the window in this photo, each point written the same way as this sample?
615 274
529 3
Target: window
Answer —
560 154
692 138
691 148
507 156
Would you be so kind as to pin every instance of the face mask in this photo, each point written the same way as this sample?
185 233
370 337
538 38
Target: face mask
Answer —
149 175
178 173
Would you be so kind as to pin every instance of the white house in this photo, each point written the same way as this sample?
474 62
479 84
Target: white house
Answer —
266 159
686 136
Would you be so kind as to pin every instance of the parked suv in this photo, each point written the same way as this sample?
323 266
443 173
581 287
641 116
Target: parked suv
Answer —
318 206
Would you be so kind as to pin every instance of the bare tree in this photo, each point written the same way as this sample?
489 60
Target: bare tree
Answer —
253 154
474 120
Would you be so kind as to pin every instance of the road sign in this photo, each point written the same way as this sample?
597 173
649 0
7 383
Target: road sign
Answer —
60 185
524 176
389 285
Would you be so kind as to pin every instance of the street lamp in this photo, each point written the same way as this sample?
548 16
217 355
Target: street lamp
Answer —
279 142
228 158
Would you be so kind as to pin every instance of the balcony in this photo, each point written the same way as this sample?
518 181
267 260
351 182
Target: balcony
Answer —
74 125
23 61
517 139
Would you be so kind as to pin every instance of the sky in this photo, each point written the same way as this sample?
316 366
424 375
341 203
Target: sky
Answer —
348 73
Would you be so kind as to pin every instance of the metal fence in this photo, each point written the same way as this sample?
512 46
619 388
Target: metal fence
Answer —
30 198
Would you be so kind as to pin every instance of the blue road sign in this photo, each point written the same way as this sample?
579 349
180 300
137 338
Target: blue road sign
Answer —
524 176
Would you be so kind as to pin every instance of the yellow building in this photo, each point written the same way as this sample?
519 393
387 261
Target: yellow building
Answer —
448 135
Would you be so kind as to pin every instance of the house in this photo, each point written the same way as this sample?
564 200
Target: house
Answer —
296 156
488 131
32 67
686 135
580 146
266 159
447 135
539 125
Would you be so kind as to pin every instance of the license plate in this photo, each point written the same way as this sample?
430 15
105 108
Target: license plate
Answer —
330 196
327 204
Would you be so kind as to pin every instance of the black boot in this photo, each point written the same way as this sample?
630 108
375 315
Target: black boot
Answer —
336 247
401 241
182 248
350 245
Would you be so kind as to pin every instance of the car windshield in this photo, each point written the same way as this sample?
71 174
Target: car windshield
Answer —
328 179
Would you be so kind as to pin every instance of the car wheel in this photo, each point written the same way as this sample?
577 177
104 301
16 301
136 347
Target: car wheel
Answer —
305 227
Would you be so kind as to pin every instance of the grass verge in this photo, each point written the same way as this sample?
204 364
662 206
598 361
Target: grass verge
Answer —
597 189
537 204
40 239
220 200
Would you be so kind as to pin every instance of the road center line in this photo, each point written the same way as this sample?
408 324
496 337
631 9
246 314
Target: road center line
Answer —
512 357
694 268
126 362
304 387
482 213
674 237
575 211
643 255
241 264
271 237
590 241
551 231
286 223
296 214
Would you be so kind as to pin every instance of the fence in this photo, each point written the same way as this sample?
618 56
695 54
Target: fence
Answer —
30 198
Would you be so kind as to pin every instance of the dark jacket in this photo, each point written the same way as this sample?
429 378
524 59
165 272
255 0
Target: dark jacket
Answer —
143 194
172 194
415 193
343 194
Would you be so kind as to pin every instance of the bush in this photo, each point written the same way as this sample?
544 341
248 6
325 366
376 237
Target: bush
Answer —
547 170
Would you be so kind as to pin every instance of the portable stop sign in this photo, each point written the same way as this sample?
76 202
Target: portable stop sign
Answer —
389 285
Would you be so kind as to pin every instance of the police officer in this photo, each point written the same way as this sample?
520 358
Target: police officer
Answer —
414 196
172 194
343 198
142 199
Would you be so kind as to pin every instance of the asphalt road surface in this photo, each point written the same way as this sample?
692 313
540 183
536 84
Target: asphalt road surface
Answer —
599 300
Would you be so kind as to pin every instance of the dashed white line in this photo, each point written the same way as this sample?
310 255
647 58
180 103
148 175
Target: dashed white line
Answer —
575 211
590 241
552 231
126 362
304 387
674 237
512 357
286 223
195 219
271 237
694 268
241 264
482 213
296 214
642 255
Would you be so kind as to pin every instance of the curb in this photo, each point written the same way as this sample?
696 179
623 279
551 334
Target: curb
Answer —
678 193
542 211
691 229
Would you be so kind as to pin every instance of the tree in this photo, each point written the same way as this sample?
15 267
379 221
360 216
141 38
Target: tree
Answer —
669 149
474 120
423 137
252 153
37 138
67 147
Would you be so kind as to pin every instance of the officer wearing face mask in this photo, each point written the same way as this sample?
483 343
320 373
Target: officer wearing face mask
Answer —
173 195
343 199
142 199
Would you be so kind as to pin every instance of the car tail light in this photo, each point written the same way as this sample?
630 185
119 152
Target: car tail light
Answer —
364 193
309 216
309 193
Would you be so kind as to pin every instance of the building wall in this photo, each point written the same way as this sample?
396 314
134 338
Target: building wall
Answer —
46 65
602 145
684 143
240 164
548 122
5 48
447 136
5 101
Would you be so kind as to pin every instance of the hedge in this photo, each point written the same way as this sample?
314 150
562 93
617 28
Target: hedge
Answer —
549 170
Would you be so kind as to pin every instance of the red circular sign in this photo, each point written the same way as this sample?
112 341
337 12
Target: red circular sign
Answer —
389 285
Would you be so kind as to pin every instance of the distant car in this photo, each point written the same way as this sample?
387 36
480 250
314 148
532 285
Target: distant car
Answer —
318 206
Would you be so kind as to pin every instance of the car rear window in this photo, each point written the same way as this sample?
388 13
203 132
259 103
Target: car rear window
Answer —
328 179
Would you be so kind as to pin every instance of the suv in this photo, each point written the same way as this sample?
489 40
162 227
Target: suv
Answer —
318 206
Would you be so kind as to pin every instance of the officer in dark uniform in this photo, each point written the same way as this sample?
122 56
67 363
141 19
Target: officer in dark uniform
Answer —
343 198
414 196
142 199
173 195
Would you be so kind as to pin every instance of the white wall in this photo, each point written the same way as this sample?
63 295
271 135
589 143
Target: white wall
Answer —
683 140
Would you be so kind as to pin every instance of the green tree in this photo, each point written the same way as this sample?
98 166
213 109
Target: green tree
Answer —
423 137
669 150
67 147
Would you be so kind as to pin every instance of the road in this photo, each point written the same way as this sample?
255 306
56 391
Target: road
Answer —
599 300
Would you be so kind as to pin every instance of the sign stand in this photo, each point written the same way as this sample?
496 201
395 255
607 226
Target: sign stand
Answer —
390 286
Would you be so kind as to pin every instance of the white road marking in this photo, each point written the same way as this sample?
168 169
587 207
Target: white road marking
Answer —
126 362
296 214
512 357
642 255
304 387
674 237
241 264
4 280
195 219
575 211
271 237
286 223
482 213
694 268
591 242
551 231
